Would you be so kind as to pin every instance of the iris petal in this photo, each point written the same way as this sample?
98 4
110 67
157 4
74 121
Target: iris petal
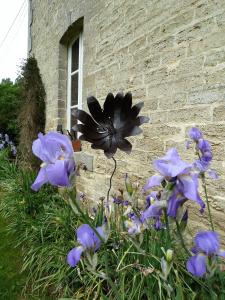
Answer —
196 265
208 242
40 180
74 255
47 152
195 134
154 210
189 187
221 253
57 173
62 140
155 180
87 237
174 202
171 164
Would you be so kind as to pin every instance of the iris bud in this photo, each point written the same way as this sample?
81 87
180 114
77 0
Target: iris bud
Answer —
169 255
128 184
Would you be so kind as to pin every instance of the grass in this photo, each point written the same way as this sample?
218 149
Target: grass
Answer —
11 280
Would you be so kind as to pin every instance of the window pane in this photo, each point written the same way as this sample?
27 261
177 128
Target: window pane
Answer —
74 89
73 122
75 56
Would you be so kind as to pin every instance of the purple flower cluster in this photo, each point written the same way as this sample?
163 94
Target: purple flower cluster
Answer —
204 151
56 152
121 201
88 240
180 180
207 247
5 142
136 224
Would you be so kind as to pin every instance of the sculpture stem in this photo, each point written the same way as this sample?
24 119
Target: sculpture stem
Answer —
110 182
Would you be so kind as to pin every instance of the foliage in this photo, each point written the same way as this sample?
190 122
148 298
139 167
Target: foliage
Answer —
32 114
11 282
42 224
140 255
10 103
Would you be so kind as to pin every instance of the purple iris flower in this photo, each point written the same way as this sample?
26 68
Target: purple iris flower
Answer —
56 152
205 155
196 265
121 201
154 209
88 240
184 184
195 134
207 244
134 225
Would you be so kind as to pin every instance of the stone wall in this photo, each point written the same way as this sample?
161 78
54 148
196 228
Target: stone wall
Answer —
168 53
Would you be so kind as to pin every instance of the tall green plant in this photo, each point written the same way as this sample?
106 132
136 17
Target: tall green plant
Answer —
32 114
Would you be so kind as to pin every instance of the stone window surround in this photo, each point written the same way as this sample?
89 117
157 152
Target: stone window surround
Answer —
67 38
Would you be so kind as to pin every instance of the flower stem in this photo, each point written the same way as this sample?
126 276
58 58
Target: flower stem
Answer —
167 224
76 208
181 238
207 202
110 182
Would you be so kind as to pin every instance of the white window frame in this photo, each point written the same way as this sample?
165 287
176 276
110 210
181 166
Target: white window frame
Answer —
80 78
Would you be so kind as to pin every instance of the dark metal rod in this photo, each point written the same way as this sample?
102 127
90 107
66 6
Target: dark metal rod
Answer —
110 182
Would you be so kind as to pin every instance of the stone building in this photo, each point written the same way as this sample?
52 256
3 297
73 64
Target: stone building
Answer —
168 53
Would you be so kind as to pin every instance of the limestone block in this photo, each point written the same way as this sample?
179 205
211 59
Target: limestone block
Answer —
219 113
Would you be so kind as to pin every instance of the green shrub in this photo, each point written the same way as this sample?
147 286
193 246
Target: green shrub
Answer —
10 103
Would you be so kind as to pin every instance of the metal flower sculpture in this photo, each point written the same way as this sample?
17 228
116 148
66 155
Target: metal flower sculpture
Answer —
107 128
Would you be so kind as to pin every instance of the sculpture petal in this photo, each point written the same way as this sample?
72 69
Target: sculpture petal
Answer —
127 103
103 144
141 120
125 146
112 149
85 118
108 110
136 109
95 109
91 134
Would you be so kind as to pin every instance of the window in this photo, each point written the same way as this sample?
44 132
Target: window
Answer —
74 89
